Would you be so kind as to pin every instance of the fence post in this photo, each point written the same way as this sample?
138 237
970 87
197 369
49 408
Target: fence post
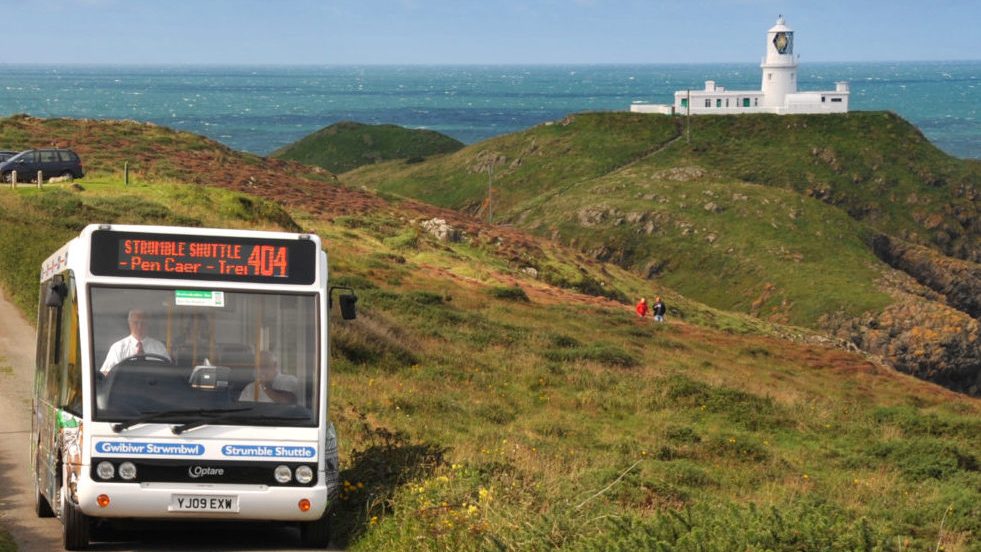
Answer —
40 179
126 173
13 179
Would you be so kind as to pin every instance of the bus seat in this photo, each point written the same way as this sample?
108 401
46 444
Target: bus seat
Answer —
235 355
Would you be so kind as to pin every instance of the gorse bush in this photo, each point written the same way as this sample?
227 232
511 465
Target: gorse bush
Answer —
802 527
607 354
584 283
372 339
406 240
926 457
562 341
747 410
914 422
253 209
510 293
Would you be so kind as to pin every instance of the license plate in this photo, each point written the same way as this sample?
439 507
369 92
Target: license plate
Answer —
203 503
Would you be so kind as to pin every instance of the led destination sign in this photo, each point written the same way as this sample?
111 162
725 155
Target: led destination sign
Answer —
203 257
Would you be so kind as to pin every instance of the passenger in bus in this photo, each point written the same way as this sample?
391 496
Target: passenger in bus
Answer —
273 386
136 344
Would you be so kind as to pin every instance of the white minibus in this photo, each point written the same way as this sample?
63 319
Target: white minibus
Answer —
182 373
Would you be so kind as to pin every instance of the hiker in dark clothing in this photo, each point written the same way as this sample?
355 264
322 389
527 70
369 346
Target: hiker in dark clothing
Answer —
659 309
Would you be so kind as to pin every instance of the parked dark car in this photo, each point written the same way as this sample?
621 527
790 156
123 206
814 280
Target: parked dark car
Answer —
51 162
4 155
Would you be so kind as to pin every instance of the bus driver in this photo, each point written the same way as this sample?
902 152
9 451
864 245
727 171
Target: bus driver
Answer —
135 344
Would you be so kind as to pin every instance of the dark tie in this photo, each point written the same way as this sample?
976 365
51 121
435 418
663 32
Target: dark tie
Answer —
139 348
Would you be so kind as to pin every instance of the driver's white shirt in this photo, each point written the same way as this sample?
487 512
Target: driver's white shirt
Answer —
126 347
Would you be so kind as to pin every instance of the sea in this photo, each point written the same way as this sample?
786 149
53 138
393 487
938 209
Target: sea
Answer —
259 109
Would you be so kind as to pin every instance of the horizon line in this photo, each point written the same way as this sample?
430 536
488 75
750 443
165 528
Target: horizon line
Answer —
494 64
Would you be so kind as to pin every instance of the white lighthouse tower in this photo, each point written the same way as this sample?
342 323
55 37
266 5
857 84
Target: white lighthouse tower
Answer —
780 65
778 95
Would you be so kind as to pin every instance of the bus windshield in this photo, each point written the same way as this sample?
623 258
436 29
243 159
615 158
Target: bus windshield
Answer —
195 356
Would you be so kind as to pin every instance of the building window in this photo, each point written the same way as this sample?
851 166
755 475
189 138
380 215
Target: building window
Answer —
769 76
708 102
718 102
836 100
684 102
756 102
822 99
745 102
727 102
793 75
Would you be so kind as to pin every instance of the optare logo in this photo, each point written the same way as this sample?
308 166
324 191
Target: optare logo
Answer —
200 471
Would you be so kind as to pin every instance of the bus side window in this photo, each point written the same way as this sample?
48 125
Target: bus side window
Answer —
70 352
53 377
41 353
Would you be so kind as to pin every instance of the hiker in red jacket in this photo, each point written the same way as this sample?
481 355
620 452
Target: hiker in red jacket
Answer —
642 307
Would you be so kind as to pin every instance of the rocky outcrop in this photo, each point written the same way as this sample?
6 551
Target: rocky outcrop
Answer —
959 281
441 230
921 337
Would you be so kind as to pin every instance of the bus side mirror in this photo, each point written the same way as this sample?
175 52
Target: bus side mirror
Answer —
348 312
55 294
347 301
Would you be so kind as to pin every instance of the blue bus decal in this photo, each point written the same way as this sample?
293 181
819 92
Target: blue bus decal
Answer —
152 449
269 451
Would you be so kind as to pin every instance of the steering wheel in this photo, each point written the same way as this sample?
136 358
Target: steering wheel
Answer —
147 356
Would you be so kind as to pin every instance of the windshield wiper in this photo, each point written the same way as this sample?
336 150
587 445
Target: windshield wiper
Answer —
218 420
157 416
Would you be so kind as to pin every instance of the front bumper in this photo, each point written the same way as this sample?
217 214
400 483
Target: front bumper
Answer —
153 500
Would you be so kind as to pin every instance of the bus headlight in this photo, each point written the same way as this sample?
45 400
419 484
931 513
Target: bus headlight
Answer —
304 475
105 470
283 474
127 470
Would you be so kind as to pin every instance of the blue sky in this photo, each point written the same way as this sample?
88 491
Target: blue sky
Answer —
356 32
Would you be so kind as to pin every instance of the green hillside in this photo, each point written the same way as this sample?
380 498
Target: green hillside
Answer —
771 216
494 392
527 166
347 145
875 166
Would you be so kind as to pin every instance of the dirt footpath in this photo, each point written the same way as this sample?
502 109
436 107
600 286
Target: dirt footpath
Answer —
16 374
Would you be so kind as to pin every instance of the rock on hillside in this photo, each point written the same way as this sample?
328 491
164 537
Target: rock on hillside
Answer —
347 145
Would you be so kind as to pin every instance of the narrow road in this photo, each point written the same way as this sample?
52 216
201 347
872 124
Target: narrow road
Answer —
33 534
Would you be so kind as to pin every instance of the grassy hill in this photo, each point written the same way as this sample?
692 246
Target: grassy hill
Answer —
772 216
484 405
874 165
347 145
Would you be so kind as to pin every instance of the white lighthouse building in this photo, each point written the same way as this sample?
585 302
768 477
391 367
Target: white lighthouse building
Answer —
778 93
